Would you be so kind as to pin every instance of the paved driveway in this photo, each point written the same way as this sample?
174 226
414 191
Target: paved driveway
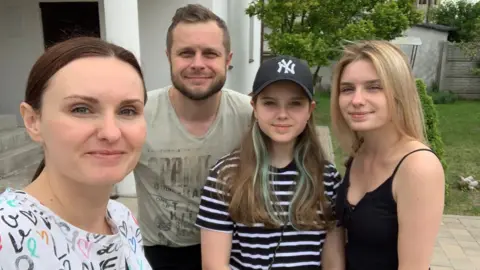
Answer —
458 244
457 247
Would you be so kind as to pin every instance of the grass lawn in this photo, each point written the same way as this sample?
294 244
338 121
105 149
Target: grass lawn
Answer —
460 129
322 117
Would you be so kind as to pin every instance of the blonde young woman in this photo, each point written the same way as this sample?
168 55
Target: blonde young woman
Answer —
269 204
392 196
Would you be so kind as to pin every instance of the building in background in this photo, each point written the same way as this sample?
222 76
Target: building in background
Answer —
27 27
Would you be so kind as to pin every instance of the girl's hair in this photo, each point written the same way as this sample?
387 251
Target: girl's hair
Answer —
248 186
398 83
63 53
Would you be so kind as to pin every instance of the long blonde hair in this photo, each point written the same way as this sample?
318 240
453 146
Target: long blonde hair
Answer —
398 82
251 198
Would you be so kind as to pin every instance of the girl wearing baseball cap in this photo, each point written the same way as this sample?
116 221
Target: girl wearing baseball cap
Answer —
270 203
392 196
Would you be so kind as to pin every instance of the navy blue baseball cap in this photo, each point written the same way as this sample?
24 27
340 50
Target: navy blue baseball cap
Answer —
284 67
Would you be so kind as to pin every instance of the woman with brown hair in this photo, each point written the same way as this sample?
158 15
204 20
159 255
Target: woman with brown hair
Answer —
392 196
84 104
269 204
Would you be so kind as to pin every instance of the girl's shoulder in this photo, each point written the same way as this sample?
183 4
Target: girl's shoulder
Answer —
330 172
229 160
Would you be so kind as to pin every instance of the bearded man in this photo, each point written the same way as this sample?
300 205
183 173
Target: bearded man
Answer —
191 124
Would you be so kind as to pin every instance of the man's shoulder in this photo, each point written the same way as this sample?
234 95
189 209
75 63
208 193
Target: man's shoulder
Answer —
154 100
238 101
240 97
157 93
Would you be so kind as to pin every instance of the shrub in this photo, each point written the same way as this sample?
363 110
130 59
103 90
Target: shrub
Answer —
431 124
443 97
434 87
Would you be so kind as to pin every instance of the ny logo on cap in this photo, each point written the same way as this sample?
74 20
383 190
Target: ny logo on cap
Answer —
288 67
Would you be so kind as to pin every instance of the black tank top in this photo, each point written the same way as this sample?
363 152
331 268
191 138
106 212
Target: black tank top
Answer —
372 225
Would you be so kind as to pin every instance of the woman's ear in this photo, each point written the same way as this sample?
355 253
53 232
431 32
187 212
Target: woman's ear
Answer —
31 120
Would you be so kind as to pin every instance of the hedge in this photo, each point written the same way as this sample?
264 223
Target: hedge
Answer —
431 124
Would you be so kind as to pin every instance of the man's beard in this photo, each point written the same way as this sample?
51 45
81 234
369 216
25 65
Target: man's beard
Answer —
214 88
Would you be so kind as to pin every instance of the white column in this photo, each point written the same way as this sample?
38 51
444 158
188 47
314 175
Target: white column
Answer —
220 8
121 28
245 43
121 24
254 47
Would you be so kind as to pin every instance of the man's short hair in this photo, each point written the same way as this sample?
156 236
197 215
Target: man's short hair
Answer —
196 13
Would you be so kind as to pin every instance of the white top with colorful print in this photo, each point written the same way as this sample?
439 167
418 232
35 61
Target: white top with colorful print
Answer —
32 237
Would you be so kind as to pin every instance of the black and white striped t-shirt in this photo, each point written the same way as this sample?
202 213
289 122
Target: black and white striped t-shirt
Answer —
254 247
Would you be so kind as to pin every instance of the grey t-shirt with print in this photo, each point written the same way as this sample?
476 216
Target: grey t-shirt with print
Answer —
174 166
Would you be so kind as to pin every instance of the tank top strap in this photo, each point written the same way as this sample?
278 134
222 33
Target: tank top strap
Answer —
348 162
405 156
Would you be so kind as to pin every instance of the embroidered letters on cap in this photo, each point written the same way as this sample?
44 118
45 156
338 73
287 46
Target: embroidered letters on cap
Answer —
288 67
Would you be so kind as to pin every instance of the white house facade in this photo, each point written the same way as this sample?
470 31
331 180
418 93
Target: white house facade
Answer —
138 25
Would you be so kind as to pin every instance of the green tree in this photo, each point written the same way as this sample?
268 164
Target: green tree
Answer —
471 48
462 15
315 30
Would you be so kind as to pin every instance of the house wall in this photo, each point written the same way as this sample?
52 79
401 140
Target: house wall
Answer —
21 43
428 59
456 74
